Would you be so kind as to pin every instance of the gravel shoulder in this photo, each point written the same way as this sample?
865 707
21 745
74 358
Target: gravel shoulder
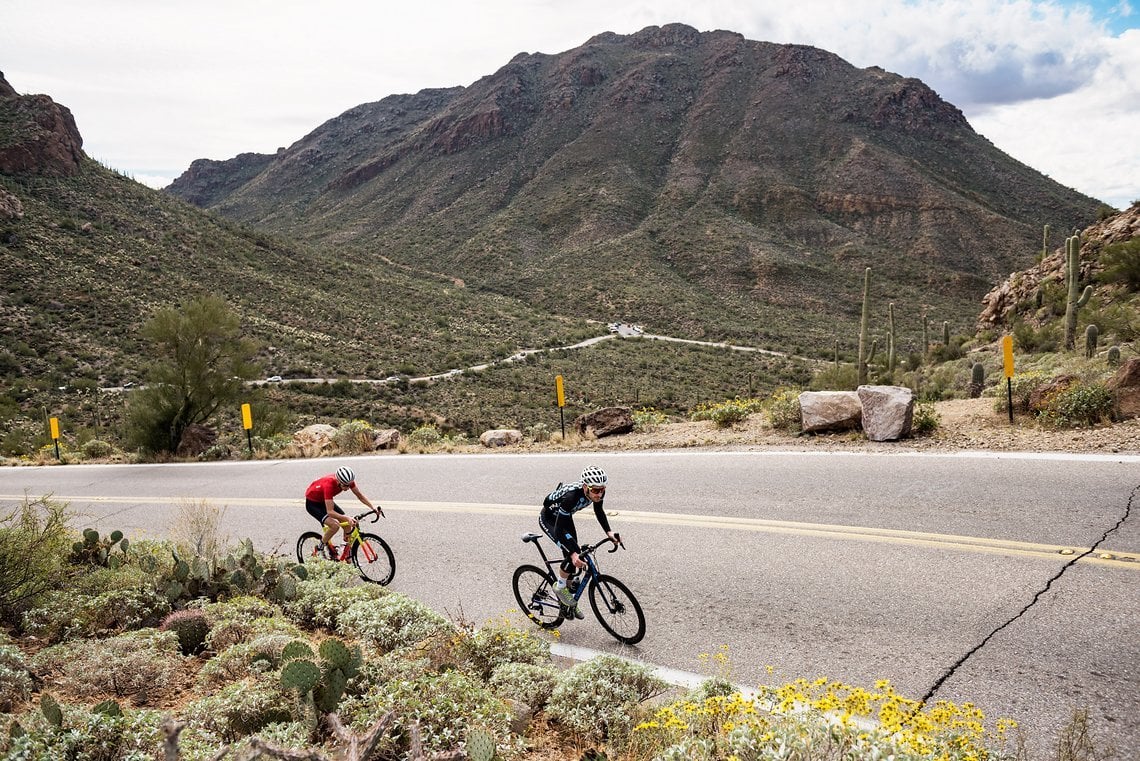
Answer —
964 424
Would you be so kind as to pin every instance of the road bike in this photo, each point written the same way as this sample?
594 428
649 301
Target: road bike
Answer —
615 607
370 554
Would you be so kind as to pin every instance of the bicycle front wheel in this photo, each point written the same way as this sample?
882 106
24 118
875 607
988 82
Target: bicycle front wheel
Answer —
311 547
617 609
374 559
534 592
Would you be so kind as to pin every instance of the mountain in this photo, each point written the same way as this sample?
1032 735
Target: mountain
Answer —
703 184
86 255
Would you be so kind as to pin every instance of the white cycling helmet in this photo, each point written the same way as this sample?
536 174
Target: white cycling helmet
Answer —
592 475
345 476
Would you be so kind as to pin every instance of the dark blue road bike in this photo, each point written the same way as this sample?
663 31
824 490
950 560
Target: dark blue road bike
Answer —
616 608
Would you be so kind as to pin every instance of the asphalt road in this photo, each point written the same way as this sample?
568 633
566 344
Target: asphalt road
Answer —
959 572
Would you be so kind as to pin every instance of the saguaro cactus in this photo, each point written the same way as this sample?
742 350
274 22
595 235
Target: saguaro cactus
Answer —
925 335
1092 333
1076 298
891 338
977 380
1045 242
865 356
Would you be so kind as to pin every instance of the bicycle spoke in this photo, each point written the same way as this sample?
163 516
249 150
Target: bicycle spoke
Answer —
535 597
374 559
617 610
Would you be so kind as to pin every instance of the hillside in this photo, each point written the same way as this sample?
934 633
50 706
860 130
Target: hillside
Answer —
723 187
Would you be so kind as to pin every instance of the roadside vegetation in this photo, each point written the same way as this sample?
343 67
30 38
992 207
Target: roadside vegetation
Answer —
194 648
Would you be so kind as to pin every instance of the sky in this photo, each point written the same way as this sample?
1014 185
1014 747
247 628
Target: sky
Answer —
156 84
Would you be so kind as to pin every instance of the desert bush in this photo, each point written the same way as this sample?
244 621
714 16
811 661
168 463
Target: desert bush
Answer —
1083 403
354 437
1020 388
96 449
528 683
648 418
34 540
497 643
926 419
125 665
727 413
391 622
832 378
197 529
86 735
321 601
243 619
241 708
424 436
539 432
71 613
1036 341
783 410
1122 264
15 678
237 661
598 700
444 704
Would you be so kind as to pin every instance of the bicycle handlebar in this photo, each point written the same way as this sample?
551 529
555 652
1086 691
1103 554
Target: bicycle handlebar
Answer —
591 547
375 516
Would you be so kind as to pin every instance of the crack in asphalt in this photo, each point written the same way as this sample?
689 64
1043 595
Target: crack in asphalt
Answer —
1040 593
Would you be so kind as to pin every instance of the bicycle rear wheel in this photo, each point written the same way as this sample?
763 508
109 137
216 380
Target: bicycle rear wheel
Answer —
310 547
374 559
535 595
617 609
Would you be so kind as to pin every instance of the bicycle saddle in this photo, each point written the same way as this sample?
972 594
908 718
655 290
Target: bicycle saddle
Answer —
531 537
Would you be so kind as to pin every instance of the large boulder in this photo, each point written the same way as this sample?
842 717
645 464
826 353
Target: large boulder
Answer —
888 411
829 411
1040 397
386 438
1125 389
315 438
500 437
607 421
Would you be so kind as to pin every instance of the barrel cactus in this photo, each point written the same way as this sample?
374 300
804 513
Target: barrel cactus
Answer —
1092 334
191 626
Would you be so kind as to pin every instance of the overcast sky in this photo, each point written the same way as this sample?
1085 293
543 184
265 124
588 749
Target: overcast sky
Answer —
155 84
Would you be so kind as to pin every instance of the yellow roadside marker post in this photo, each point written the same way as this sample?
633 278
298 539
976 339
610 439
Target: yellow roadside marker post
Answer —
1007 354
54 423
247 423
561 395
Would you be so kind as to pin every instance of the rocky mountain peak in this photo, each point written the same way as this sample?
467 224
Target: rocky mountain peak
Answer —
42 138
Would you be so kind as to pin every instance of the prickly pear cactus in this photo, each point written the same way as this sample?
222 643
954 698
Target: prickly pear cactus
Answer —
300 675
335 653
51 710
480 745
296 649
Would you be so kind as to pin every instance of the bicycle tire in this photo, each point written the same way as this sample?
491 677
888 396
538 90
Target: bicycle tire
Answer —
383 568
618 611
311 545
533 593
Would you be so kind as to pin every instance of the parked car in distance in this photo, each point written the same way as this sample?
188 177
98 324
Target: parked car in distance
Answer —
273 379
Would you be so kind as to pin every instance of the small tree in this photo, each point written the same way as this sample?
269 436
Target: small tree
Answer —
199 363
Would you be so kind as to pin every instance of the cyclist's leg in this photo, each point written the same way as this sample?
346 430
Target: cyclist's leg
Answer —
562 532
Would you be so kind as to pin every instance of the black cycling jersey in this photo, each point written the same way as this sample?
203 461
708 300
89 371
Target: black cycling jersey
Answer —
557 516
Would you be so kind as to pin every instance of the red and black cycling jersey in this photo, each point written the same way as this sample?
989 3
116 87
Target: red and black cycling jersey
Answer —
325 487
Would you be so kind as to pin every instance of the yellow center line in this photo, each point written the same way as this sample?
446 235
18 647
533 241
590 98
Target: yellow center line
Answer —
1063 553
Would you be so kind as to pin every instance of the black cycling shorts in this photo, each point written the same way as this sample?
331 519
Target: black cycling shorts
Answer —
316 508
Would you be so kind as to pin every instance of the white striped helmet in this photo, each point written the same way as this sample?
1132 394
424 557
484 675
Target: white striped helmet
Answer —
592 475
345 476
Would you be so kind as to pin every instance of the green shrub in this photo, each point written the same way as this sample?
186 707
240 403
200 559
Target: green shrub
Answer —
321 601
71 613
1083 403
15 678
123 666
445 705
1036 341
493 645
1122 264
391 622
528 683
425 436
1020 388
832 378
783 410
926 419
34 540
96 449
89 735
647 419
539 432
241 708
598 699
727 413
354 437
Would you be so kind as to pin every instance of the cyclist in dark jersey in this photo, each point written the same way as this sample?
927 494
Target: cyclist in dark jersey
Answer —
557 521
319 503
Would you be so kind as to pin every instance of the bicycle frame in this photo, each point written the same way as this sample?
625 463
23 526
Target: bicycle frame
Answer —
589 573
354 539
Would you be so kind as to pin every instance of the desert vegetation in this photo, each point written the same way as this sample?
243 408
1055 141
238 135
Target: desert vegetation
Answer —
120 650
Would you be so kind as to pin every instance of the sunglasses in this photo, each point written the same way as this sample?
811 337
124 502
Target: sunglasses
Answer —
596 489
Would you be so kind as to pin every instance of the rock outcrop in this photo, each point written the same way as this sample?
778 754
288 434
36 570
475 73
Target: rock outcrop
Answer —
41 137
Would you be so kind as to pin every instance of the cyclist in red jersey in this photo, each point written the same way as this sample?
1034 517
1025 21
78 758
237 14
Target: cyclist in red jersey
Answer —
319 503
